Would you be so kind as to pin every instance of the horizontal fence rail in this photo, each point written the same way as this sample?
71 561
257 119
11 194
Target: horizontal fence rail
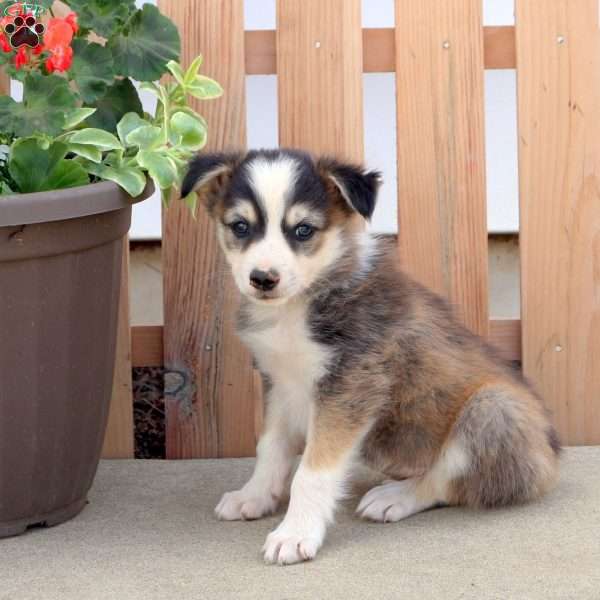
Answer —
147 342
379 54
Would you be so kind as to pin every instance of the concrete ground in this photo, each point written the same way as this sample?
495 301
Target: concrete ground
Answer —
149 533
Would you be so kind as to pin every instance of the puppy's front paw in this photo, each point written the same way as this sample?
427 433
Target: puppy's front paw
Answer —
286 548
245 506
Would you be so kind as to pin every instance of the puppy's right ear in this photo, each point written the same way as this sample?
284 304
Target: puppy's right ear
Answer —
208 175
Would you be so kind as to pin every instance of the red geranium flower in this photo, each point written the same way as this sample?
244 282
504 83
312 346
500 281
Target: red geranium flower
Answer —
4 43
22 58
71 19
60 60
58 33
6 47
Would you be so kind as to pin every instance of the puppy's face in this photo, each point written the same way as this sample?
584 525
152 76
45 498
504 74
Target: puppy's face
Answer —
282 219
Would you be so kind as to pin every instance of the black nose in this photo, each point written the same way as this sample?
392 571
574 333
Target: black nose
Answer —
264 280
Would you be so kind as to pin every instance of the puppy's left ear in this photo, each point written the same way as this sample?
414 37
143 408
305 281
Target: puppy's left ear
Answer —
357 186
209 174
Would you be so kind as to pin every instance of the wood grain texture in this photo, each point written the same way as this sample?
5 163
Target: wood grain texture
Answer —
558 55
146 343
505 335
319 68
147 346
441 155
209 384
379 50
119 439
4 83
499 50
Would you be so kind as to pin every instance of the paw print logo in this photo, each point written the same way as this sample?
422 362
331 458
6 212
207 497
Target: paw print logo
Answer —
24 31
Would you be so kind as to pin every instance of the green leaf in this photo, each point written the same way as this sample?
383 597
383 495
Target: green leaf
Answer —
176 70
191 201
192 131
5 189
68 173
46 100
145 138
120 99
36 169
193 69
92 69
132 180
97 138
204 88
190 111
86 151
147 44
165 196
114 158
77 116
129 123
160 168
102 16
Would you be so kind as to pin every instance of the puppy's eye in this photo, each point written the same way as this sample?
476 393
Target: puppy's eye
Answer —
240 228
304 232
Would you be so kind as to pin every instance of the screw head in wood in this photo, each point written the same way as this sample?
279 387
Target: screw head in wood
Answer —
317 44
446 45
558 348
560 39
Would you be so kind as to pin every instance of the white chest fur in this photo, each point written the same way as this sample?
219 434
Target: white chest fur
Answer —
279 338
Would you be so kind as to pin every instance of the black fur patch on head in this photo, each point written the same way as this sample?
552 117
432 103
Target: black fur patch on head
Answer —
357 186
202 166
239 188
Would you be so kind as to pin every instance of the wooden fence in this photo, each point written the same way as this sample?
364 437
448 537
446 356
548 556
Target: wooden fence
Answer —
438 51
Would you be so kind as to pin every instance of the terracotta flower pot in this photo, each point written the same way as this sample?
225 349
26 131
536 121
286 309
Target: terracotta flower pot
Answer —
60 269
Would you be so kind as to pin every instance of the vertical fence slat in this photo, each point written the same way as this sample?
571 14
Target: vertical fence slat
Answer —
209 380
319 66
118 442
4 83
558 59
441 154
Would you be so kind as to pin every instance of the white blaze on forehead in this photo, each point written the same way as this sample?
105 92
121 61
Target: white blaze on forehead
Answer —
272 181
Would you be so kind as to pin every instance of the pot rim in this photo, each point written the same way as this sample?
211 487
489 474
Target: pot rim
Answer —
67 203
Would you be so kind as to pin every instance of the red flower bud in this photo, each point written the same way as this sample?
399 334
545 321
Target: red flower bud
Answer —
6 47
22 58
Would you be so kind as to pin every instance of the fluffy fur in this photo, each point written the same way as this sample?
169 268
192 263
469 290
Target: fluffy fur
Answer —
360 362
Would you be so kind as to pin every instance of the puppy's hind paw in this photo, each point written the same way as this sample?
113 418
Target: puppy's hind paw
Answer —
242 506
392 501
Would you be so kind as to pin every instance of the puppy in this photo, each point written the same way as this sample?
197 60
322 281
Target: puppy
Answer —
360 362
